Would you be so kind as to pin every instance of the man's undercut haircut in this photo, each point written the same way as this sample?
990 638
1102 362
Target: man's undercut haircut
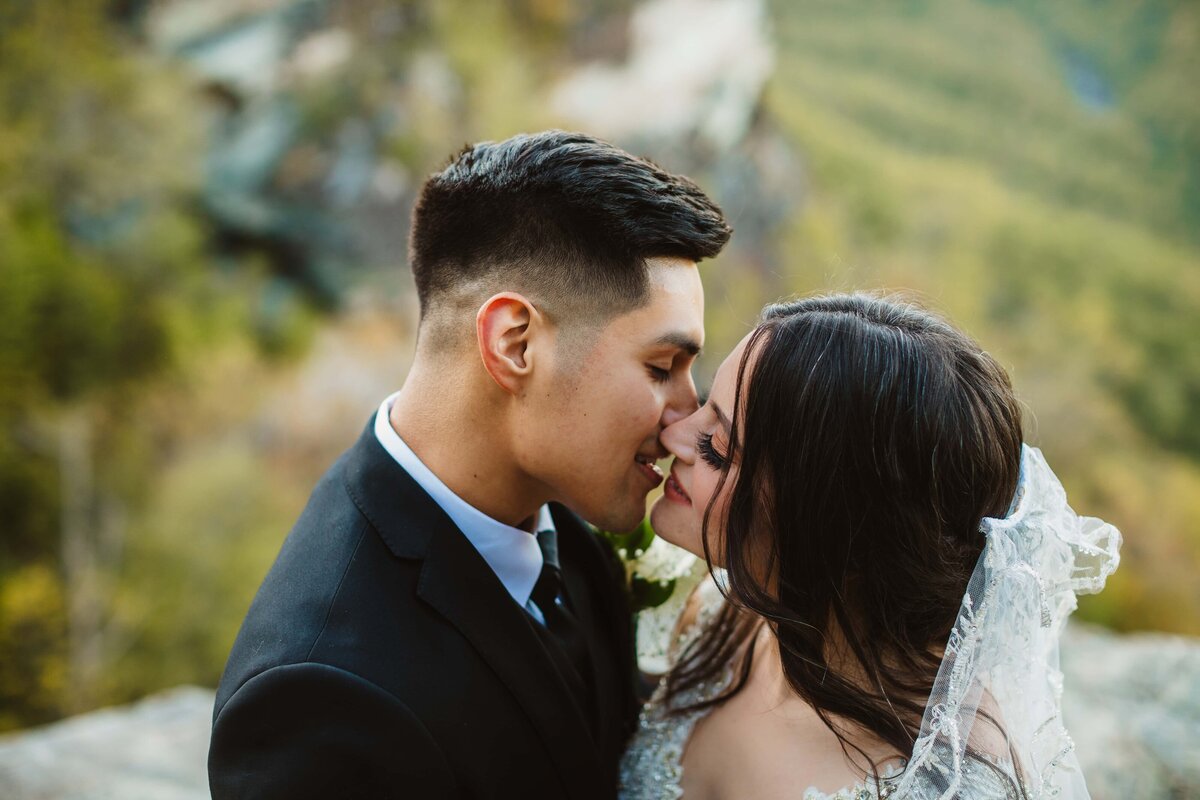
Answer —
564 218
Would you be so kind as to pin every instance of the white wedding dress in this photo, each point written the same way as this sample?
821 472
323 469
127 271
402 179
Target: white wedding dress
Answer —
651 768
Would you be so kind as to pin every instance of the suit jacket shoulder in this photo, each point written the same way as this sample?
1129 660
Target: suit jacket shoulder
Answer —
380 628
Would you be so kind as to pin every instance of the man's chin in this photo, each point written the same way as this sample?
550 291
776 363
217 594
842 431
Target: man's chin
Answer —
616 520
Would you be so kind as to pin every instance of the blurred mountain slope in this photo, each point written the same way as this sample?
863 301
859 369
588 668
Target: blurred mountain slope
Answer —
952 151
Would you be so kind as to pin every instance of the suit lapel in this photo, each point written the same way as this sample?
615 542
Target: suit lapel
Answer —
457 583
579 598
606 620
502 634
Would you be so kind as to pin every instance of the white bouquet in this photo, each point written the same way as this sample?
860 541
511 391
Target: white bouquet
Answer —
660 577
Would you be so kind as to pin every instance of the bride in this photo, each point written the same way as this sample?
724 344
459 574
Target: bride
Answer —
892 569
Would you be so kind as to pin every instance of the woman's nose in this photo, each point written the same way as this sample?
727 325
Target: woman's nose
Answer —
679 440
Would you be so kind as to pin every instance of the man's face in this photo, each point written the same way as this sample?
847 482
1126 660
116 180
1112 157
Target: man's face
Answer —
590 422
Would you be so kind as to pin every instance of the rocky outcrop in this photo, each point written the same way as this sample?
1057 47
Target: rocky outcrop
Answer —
694 68
1132 703
154 749
688 90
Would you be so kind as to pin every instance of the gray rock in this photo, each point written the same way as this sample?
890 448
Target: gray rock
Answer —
237 44
1132 704
155 749
695 68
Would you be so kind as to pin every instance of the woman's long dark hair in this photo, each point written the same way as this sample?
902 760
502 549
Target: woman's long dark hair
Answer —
871 437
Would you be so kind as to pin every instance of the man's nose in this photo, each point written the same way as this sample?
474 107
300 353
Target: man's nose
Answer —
682 403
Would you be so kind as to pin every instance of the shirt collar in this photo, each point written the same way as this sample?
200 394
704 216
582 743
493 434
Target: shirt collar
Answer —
512 553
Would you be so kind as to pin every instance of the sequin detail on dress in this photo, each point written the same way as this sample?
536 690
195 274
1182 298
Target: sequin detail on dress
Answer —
651 768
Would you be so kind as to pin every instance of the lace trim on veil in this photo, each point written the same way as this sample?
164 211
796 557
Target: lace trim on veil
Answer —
1001 662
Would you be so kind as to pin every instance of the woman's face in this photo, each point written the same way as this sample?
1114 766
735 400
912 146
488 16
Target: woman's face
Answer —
700 444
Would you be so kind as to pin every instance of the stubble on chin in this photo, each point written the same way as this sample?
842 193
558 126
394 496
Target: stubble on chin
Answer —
622 518
626 522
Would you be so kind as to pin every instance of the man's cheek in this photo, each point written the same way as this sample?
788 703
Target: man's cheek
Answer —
642 411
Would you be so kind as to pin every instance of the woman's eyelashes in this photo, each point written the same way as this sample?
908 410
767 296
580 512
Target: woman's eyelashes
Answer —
704 445
659 374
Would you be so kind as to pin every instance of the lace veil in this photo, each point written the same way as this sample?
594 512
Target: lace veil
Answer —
997 700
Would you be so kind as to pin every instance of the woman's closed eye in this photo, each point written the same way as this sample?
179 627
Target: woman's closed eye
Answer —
659 374
704 445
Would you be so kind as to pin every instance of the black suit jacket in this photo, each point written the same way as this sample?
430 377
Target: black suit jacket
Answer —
382 657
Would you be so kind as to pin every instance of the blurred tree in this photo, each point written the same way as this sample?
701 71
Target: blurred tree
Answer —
97 252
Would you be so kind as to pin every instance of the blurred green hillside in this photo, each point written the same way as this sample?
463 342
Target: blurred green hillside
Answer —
186 342
1035 174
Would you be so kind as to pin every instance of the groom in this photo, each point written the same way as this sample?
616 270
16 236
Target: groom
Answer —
438 624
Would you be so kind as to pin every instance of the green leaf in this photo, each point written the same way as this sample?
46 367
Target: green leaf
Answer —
630 543
649 594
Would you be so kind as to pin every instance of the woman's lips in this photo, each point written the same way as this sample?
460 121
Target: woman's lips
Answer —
673 490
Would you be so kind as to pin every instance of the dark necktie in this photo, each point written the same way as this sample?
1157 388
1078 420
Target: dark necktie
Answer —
563 627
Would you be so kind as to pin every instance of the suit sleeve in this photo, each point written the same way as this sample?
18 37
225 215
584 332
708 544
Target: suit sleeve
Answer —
312 730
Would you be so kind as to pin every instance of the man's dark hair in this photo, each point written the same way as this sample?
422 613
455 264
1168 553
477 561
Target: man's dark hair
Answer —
565 217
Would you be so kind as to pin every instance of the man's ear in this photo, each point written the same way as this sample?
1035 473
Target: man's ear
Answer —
503 327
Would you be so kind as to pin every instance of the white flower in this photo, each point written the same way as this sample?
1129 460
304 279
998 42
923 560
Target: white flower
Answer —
655 625
663 562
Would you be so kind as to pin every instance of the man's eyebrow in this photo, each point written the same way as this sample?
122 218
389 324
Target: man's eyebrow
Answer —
724 420
680 340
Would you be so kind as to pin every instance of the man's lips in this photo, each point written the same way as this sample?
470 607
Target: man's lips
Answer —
649 469
674 490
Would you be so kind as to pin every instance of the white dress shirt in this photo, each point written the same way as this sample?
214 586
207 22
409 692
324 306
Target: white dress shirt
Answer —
512 553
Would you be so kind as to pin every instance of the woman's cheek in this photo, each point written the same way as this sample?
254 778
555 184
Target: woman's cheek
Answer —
704 487
707 482
672 523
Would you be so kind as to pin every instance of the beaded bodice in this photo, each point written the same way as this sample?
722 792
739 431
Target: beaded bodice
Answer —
652 766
